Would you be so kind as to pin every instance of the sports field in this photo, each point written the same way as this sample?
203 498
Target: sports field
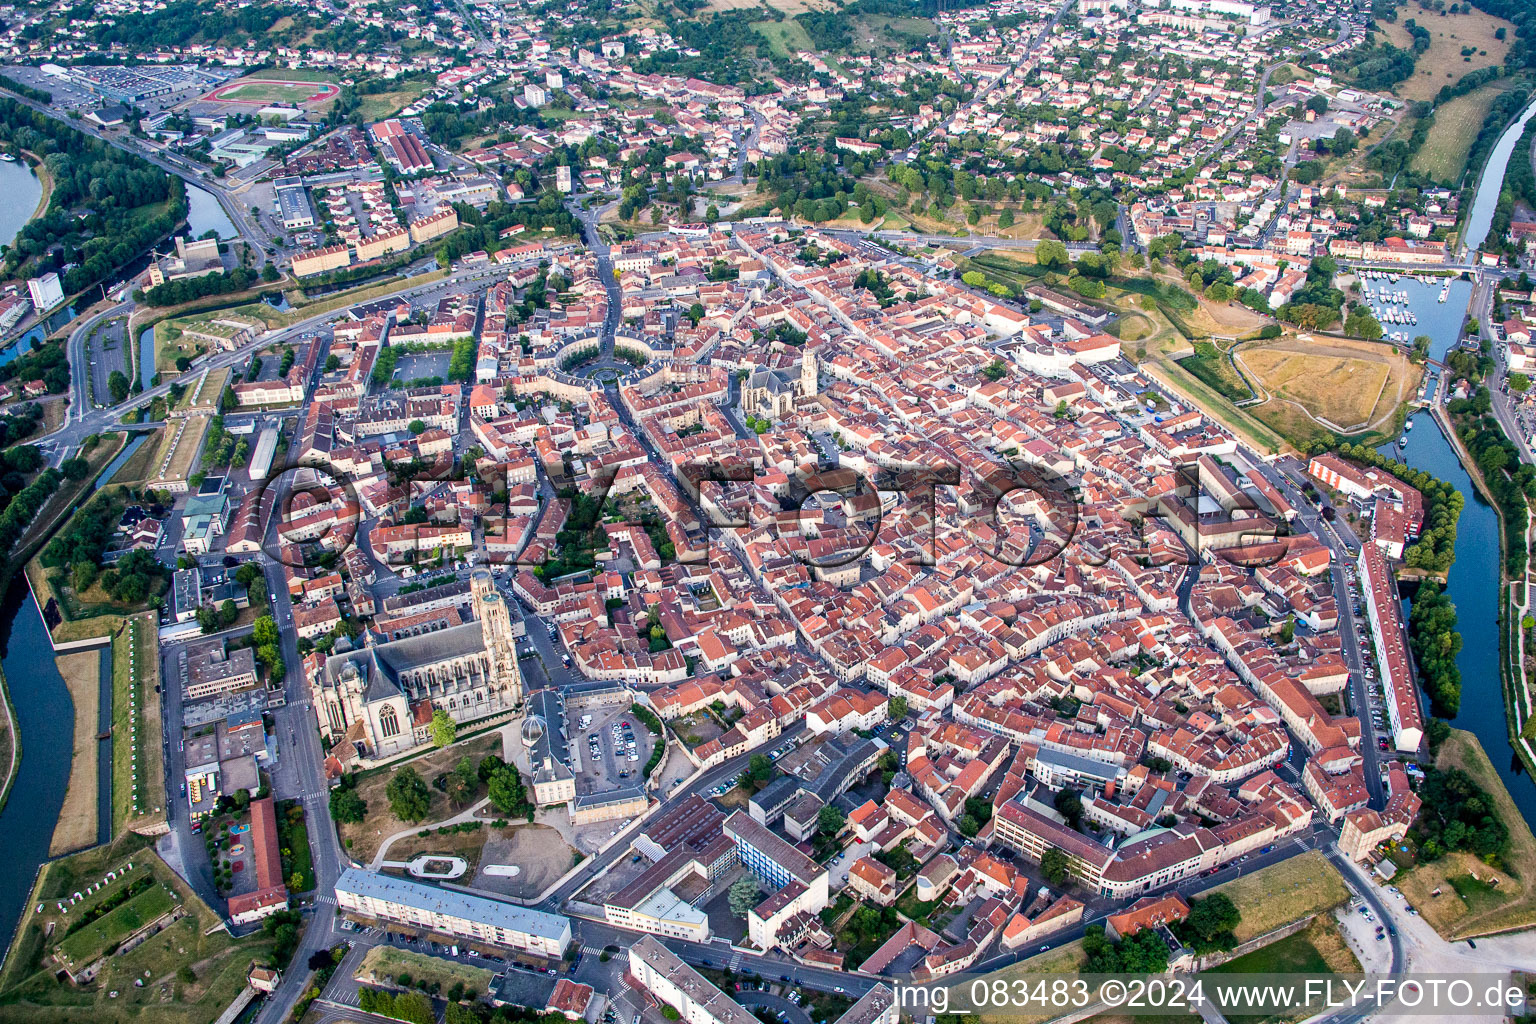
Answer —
262 91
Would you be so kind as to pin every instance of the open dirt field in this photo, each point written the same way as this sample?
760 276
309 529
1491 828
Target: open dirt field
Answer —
1344 386
540 852
1444 154
77 821
1284 892
1476 899
1443 63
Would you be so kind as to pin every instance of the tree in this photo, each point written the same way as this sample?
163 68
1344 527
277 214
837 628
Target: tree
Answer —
1070 806
460 788
417 427
347 807
968 825
228 613
1519 383
408 796
743 895
79 469
896 708
444 728
488 766
507 792
1051 253
1210 923
995 370
264 631
117 385
829 822
1054 867
760 768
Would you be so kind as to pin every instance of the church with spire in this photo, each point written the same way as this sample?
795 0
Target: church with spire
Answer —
773 393
378 700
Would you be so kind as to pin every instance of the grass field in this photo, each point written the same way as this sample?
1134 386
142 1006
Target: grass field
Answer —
135 470
1337 383
136 724
385 963
178 451
296 88
379 105
76 827
1319 948
786 37
81 947
1444 153
1323 387
270 92
886 33
30 992
1443 63
1476 899
205 392
1285 892
1211 364
1064 959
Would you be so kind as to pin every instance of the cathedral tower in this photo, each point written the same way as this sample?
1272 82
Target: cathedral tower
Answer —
496 627
808 373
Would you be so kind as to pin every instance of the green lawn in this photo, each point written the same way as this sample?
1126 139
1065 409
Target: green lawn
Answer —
387 962
786 37
295 839
135 723
1294 954
106 932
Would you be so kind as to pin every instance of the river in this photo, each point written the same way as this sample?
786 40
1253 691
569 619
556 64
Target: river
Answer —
23 190
1492 181
205 214
47 724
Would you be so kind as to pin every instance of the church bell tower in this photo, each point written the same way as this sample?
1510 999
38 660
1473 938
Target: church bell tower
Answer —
496 626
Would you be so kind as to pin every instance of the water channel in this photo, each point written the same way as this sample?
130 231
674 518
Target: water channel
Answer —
45 717
1492 182
205 214
22 190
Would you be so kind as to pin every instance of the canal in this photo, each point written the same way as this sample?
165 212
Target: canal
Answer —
1492 181
46 720
1473 585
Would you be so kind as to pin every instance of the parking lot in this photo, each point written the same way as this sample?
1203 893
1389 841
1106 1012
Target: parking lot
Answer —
609 748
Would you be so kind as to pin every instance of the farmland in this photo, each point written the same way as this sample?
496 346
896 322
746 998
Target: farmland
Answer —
1444 153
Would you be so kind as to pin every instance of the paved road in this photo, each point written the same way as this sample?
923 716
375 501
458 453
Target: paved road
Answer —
301 777
189 172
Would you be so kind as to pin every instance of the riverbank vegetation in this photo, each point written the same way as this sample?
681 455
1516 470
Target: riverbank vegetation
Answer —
1510 481
131 203
1463 892
1435 641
